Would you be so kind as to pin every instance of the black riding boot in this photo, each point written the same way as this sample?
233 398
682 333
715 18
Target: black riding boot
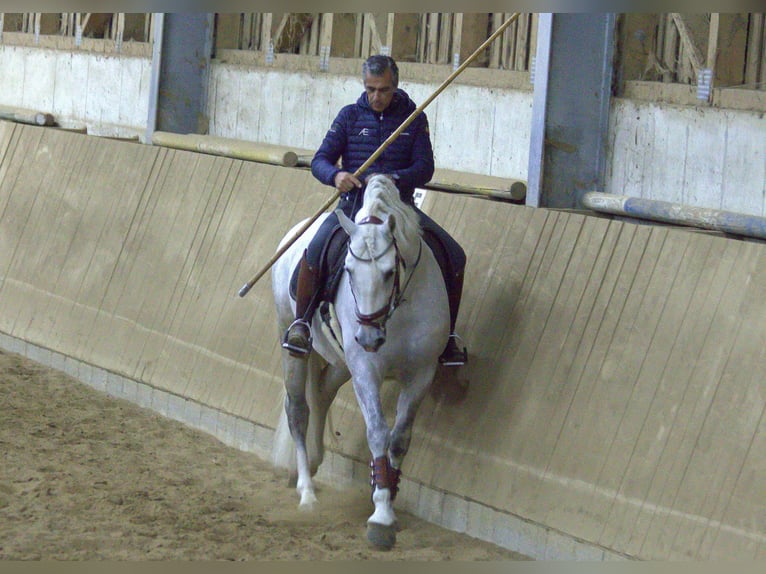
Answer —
453 356
297 339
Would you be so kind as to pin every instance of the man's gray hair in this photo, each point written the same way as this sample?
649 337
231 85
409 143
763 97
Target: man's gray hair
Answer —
378 64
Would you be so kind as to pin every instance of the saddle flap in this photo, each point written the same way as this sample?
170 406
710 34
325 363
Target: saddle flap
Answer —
330 268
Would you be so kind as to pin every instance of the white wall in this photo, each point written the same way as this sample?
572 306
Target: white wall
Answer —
478 130
107 93
694 155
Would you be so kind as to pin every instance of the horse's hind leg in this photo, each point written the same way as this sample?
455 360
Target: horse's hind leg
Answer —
297 410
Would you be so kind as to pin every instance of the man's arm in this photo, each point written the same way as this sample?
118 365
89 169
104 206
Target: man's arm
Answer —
324 163
421 169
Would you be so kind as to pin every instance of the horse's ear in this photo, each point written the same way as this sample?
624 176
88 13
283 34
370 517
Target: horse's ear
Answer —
391 223
348 225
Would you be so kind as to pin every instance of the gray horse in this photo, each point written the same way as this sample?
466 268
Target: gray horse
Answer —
393 317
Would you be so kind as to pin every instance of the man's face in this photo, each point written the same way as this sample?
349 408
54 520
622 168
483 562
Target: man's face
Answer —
380 90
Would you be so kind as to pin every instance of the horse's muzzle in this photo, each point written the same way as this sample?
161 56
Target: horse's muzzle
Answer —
370 337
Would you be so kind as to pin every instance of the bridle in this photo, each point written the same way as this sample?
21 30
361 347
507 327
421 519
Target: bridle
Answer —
379 318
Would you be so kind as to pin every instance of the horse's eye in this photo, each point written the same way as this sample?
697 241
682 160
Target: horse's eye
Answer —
387 275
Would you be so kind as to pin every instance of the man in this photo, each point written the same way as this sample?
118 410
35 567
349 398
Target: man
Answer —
356 133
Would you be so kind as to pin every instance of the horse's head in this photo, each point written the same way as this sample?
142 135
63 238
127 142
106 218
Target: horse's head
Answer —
372 264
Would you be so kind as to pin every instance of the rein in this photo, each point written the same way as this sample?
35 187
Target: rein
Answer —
379 318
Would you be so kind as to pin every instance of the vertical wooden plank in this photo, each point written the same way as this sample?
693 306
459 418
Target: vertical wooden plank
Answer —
533 37
422 37
358 35
266 31
494 48
325 40
433 37
445 34
366 33
120 28
752 58
508 43
314 35
2 25
457 35
522 44
246 38
712 44
148 27
390 32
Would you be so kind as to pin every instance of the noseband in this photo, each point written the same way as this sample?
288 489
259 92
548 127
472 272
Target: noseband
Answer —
379 318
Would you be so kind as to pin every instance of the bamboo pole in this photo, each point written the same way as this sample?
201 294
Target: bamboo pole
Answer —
249 285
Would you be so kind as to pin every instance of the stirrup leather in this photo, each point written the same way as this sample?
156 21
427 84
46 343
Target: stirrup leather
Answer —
455 361
294 349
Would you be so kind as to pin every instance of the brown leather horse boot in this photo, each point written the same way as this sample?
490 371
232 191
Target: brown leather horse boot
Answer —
453 356
297 339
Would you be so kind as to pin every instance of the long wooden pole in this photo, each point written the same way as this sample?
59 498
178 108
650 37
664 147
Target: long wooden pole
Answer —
281 251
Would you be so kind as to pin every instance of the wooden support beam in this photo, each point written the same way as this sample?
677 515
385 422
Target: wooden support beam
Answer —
390 32
280 30
712 43
375 42
669 50
690 47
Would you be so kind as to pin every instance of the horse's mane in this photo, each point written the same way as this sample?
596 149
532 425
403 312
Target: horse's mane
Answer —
381 199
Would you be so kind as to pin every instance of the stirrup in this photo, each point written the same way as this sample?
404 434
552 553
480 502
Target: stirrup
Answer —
295 350
457 359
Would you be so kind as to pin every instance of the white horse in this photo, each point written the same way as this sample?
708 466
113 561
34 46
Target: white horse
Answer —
391 306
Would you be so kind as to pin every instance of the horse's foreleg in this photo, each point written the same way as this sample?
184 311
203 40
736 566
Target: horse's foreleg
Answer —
297 410
412 394
382 524
330 380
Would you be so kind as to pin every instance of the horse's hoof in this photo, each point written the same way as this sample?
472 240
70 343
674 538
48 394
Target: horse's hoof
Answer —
381 536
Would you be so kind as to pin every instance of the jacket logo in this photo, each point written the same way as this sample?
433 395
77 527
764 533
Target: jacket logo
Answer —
364 132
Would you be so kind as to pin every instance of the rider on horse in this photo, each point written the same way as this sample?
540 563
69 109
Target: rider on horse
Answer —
355 134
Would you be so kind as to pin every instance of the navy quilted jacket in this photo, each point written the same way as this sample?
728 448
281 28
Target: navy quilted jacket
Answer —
358 131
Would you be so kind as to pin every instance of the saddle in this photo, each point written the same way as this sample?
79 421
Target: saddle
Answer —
331 264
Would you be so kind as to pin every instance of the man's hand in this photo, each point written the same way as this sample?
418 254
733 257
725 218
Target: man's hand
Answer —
345 181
